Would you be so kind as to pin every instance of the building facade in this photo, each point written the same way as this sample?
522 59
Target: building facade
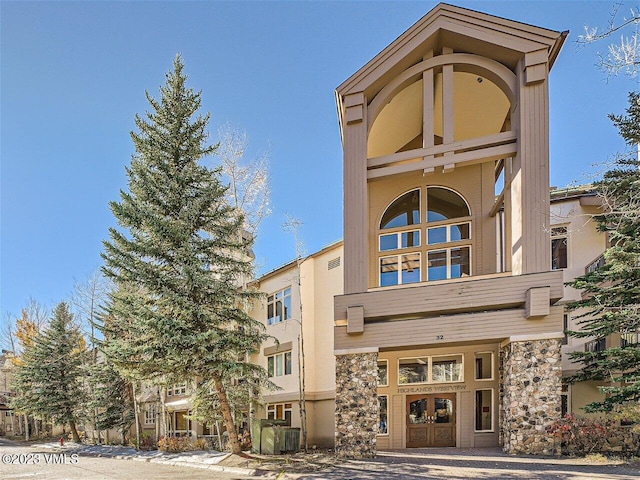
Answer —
448 332
297 311
8 423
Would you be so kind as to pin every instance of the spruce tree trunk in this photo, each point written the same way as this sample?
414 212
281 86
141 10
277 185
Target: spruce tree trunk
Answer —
74 431
227 416
26 427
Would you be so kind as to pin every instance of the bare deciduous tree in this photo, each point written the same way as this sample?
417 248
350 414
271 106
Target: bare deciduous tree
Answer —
7 333
624 55
87 297
249 183
293 225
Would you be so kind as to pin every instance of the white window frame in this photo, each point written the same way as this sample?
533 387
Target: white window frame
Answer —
398 258
448 257
447 356
386 362
429 359
150 415
283 358
398 236
557 235
491 408
286 293
447 227
386 434
426 212
273 408
490 379
177 389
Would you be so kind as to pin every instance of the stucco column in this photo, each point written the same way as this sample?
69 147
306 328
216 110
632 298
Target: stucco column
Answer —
356 403
531 387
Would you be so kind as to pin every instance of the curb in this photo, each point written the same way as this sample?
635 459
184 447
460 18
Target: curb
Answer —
251 472
218 468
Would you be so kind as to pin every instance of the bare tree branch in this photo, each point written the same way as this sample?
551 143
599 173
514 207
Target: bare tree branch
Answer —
249 180
87 297
623 56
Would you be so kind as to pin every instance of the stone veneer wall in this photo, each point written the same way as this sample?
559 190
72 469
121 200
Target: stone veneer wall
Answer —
532 384
356 405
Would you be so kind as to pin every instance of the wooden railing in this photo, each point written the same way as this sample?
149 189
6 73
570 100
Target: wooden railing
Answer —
595 264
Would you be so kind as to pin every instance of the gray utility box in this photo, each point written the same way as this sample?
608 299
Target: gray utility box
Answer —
273 437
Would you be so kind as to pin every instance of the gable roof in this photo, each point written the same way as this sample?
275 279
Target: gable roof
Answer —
506 41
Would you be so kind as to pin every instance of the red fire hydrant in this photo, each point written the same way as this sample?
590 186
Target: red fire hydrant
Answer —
62 441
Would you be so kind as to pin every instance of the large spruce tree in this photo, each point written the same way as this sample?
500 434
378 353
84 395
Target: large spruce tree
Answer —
109 399
49 378
611 294
179 258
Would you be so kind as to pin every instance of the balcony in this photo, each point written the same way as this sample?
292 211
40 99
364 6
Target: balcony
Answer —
595 264
463 295
479 308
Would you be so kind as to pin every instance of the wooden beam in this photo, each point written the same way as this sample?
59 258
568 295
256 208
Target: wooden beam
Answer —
455 147
460 159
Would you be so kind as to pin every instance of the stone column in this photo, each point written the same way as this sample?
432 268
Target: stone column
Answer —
356 404
531 386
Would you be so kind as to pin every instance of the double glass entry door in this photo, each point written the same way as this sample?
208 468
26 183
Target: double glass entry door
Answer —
431 420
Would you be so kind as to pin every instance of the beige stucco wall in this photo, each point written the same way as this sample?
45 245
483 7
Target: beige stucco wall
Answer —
584 244
315 291
583 393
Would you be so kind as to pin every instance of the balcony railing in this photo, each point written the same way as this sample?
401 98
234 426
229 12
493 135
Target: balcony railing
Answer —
629 339
595 264
598 345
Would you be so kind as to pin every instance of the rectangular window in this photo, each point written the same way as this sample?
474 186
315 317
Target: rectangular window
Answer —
435 369
279 306
484 410
411 268
413 370
391 274
279 364
447 369
448 263
559 238
383 379
564 399
150 415
177 389
448 233
437 265
394 241
484 365
279 411
182 421
383 415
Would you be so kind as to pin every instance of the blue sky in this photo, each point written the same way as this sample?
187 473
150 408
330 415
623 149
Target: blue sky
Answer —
73 75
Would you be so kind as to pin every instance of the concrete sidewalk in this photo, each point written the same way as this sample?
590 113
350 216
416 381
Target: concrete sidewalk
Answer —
477 464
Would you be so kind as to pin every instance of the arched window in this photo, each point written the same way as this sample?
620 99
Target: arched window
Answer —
405 210
446 228
445 204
